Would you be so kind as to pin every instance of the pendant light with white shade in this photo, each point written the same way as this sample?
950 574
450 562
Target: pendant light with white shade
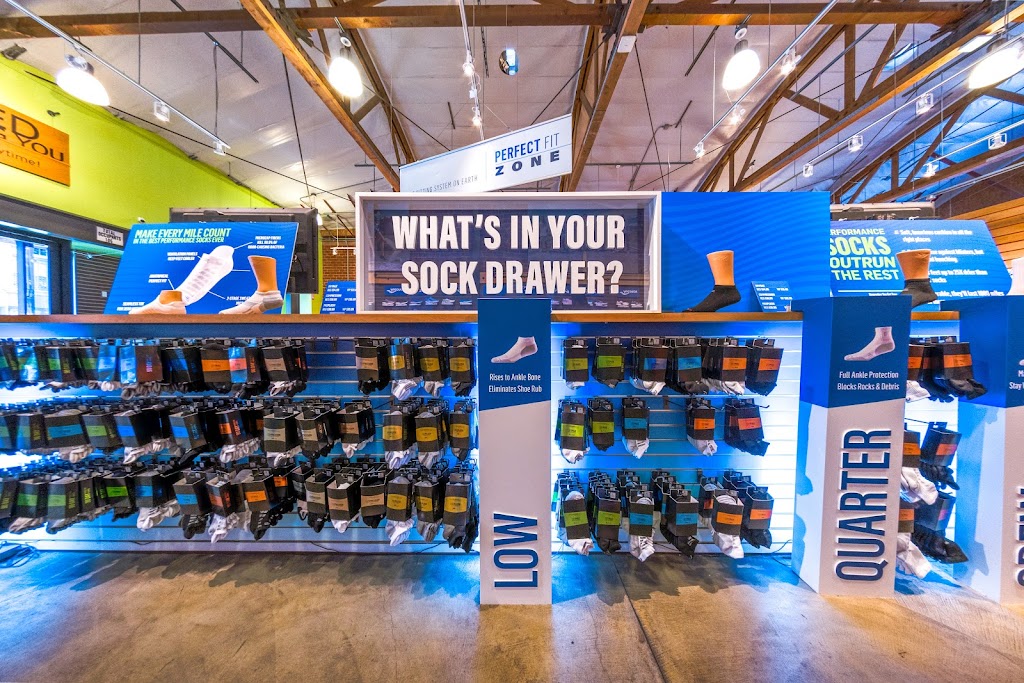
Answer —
78 80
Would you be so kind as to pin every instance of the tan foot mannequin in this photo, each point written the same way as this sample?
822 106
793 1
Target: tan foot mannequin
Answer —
916 283
725 292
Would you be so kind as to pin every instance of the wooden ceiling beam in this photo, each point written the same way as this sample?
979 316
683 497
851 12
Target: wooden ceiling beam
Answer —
286 42
359 15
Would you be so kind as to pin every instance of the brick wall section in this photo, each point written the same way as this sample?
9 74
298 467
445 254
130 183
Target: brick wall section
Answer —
338 258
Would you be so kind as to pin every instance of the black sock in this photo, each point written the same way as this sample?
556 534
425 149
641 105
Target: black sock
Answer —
720 297
920 292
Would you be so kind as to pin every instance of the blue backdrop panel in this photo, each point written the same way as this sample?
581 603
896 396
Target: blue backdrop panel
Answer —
775 236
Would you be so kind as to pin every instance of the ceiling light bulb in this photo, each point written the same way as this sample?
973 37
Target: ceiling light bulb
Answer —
996 67
467 66
219 148
77 79
737 115
161 112
477 119
319 219
856 143
930 169
344 77
997 140
698 150
743 67
808 170
925 102
789 62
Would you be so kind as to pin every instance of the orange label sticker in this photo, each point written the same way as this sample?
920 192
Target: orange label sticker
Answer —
911 448
728 518
914 362
703 423
760 514
215 365
959 360
946 449
769 364
734 363
749 423
906 514
280 482
255 496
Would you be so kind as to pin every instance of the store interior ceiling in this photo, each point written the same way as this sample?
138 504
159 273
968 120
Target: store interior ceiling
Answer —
667 98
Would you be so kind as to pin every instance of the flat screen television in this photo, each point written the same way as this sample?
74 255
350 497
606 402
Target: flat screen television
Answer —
304 278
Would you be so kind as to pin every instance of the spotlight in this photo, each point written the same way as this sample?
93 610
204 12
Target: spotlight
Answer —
743 67
930 169
467 67
999 64
219 148
344 77
509 62
161 112
925 102
477 119
737 115
698 150
997 140
856 143
77 79
789 62
808 170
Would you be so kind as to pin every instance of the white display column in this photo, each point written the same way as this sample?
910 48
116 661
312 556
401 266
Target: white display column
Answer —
853 376
515 451
990 469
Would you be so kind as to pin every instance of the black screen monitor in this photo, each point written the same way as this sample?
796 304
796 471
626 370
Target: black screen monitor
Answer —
305 271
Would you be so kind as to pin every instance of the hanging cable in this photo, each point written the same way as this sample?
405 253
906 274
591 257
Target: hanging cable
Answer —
650 117
295 122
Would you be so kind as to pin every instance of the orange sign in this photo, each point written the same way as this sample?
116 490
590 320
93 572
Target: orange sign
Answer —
33 146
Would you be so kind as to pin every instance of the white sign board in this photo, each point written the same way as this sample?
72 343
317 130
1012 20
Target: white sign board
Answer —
523 156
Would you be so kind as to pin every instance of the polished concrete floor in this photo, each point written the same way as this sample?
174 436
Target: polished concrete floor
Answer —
305 618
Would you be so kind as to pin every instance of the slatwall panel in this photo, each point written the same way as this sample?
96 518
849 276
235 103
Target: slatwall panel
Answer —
669 448
94 276
1006 222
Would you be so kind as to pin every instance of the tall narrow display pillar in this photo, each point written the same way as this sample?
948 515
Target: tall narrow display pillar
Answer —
515 451
853 377
990 469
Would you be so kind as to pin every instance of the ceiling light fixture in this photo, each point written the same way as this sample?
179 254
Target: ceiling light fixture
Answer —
344 77
975 43
997 140
467 67
930 169
78 80
925 102
477 119
1001 62
220 148
808 170
856 143
161 112
789 61
743 67
737 115
698 150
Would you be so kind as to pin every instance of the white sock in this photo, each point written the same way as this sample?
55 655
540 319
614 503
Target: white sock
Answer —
524 346
396 459
281 459
637 447
640 547
428 530
75 453
653 388
909 558
915 392
433 388
1017 279
572 457
880 344
575 385
736 388
402 389
427 459
729 544
917 487
399 531
582 546
341 525
210 270
705 446
349 449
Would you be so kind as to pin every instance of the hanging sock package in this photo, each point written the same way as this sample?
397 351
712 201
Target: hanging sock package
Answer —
684 368
372 369
406 374
743 427
462 365
601 423
700 426
462 431
913 484
937 453
955 371
610 360
575 361
282 439
915 365
764 360
679 519
930 523
432 431
724 365
434 364
571 430
636 426
400 432
357 426
650 364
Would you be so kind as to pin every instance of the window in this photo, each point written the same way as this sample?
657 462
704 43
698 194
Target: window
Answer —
25 279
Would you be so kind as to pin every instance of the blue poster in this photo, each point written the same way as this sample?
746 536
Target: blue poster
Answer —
994 327
514 352
176 268
964 262
583 253
854 350
771 236
339 297
774 296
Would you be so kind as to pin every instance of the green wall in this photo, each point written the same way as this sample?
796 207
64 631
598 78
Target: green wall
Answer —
119 172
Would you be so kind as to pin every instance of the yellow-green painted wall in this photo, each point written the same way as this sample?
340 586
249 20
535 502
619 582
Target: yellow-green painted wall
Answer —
119 172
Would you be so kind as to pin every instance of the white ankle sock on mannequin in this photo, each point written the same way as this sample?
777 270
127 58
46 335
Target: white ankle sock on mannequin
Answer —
881 343
524 346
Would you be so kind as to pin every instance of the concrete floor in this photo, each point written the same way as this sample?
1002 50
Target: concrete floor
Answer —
306 618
